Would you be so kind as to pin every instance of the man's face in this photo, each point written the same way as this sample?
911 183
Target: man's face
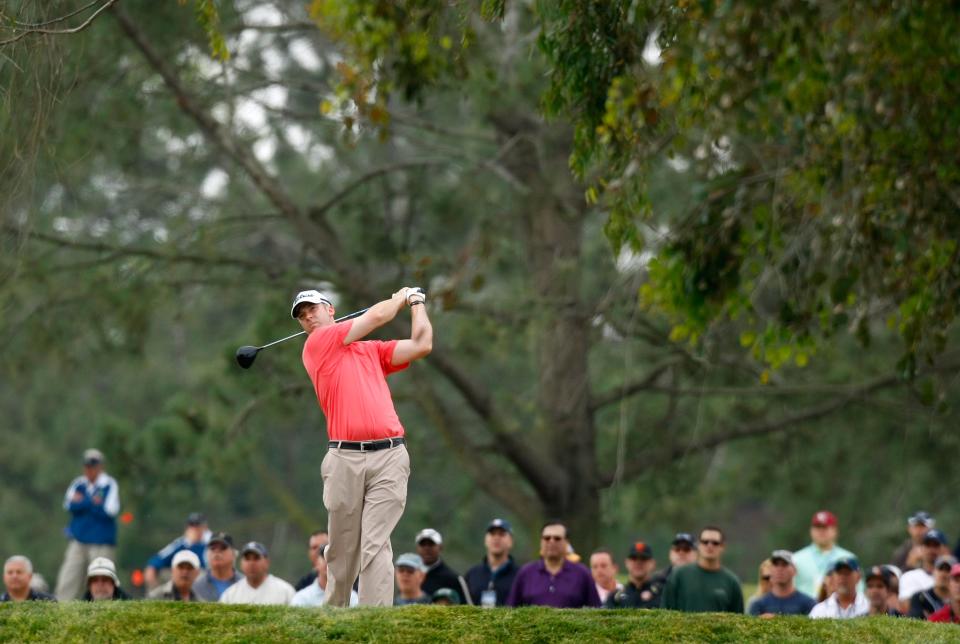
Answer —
15 577
194 533
931 550
941 576
781 573
553 542
220 556
877 593
603 569
320 565
101 588
682 554
255 567
846 581
428 551
917 530
92 471
314 316
711 545
498 542
409 580
316 542
184 575
639 569
823 535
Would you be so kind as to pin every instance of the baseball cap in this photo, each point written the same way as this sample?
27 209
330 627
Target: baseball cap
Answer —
922 517
103 567
196 518
429 534
846 562
823 518
782 555
255 546
500 524
410 560
879 572
312 297
446 593
640 550
188 556
221 537
945 560
92 457
935 535
955 571
684 537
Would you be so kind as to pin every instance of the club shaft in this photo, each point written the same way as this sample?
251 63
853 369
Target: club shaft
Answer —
340 319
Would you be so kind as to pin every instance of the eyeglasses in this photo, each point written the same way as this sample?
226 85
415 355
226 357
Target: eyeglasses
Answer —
711 542
552 537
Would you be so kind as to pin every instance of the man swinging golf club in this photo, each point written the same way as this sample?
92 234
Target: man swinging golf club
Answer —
366 468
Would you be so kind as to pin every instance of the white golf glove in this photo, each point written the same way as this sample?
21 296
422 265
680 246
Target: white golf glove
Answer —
415 294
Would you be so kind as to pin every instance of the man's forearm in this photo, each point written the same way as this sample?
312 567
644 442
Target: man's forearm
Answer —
421 331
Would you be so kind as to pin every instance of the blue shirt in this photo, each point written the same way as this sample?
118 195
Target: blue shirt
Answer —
93 508
795 604
571 587
812 564
164 558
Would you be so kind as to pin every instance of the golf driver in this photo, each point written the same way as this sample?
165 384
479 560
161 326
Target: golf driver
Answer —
246 355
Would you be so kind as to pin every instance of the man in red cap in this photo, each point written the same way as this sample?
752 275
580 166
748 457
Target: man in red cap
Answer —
950 612
813 562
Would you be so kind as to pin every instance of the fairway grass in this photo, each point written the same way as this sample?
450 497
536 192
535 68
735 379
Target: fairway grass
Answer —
169 622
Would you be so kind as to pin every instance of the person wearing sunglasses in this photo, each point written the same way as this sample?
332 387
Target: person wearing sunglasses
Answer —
705 587
552 580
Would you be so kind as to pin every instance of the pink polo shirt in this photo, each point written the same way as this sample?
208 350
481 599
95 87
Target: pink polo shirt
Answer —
351 384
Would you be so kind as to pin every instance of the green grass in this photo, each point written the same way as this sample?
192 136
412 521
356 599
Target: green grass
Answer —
167 622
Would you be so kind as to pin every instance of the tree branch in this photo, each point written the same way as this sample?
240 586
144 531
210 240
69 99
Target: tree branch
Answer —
654 457
629 389
57 32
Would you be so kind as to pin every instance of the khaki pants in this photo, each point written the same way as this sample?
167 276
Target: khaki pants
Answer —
364 493
72 578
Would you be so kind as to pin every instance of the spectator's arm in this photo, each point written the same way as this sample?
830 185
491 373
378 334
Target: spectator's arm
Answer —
737 606
916 607
593 597
111 505
515 598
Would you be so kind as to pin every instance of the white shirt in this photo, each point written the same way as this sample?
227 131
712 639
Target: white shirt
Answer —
913 581
273 590
830 608
604 593
314 595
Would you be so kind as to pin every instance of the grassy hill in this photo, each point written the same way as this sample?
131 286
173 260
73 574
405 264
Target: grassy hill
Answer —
165 622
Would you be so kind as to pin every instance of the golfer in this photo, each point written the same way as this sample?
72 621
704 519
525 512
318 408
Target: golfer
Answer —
366 468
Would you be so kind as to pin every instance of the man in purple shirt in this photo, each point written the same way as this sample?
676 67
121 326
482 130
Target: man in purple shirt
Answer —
552 580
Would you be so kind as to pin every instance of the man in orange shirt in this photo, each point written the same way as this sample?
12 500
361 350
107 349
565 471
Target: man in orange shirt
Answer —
366 469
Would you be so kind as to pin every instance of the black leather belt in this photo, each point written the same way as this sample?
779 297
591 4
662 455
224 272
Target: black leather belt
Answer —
367 446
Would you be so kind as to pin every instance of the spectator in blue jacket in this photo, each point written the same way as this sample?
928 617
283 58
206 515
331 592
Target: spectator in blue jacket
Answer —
93 501
489 581
195 537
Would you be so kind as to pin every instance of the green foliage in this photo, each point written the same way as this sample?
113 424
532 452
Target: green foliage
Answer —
208 17
170 622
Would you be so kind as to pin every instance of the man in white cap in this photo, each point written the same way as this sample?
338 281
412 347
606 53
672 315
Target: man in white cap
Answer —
102 582
258 586
93 501
184 570
366 469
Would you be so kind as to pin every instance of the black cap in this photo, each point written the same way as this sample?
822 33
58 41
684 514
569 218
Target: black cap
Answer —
500 524
881 573
684 537
846 562
196 518
935 535
640 550
221 537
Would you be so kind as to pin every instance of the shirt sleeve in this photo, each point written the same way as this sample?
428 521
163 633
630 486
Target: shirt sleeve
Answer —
593 597
516 591
385 350
111 504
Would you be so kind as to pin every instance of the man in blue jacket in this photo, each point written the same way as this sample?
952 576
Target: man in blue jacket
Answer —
489 582
93 501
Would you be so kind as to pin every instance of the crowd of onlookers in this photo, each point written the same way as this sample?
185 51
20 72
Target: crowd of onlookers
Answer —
819 580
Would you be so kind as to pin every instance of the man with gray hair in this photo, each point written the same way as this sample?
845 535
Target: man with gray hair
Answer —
17 573
93 501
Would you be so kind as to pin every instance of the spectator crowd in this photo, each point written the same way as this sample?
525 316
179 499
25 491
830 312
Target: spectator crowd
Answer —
821 580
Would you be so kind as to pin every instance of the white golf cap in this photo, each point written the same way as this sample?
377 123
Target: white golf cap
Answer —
312 297
103 567
188 556
92 457
429 534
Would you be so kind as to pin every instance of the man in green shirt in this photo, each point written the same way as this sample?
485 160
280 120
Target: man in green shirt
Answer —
705 586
